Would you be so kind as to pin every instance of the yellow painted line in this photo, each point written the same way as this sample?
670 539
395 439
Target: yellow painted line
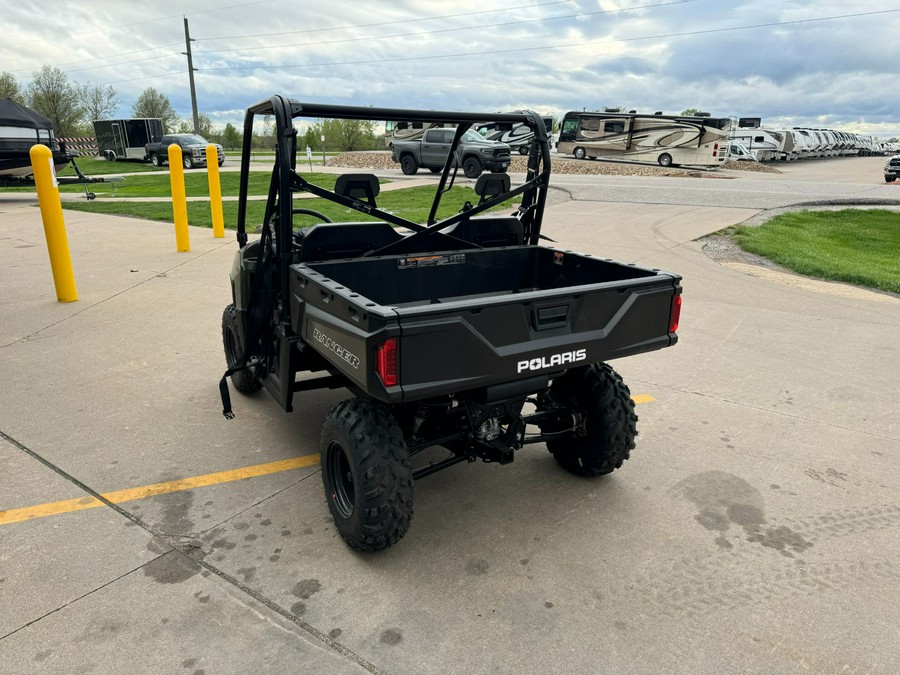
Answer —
132 494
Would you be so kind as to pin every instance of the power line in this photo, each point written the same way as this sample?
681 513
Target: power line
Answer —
140 23
109 56
559 46
385 23
449 30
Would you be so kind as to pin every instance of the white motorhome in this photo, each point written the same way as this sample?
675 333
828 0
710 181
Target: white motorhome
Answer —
517 136
668 140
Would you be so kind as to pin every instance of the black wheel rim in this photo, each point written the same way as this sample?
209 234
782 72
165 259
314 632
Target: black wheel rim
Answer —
340 479
231 347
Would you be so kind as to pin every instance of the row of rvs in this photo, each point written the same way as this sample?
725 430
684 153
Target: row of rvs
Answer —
769 145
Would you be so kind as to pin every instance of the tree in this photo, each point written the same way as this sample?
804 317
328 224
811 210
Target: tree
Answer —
231 137
98 102
9 87
152 103
51 94
343 135
690 112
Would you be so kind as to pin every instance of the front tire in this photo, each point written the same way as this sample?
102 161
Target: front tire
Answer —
889 178
665 159
598 395
408 165
523 149
472 167
579 153
367 474
245 381
188 162
155 160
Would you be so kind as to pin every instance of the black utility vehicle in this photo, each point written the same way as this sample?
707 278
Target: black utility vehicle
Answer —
462 334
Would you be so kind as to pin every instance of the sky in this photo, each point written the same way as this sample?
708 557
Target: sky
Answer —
824 63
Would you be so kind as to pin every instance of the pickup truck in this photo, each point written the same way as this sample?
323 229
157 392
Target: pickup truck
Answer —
473 153
891 169
462 336
193 150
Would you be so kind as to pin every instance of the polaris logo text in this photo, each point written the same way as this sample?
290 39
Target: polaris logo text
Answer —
554 360
329 344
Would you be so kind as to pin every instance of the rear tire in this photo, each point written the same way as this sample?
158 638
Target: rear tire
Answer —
665 159
367 474
245 381
599 395
579 153
523 149
408 165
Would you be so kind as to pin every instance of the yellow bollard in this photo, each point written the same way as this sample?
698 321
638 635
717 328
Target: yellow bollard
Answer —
215 191
179 200
54 225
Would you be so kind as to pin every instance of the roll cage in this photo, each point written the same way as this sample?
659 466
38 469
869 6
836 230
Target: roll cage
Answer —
286 181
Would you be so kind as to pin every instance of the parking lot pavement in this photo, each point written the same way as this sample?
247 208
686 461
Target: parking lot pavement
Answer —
753 529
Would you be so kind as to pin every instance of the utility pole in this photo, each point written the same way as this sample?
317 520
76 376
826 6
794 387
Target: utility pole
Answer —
187 44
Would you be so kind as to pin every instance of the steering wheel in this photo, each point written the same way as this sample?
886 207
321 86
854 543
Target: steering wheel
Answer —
314 214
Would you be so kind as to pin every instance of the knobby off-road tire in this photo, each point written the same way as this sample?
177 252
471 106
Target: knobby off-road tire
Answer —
602 397
245 381
367 474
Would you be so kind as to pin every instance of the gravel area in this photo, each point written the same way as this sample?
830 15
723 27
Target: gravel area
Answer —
561 165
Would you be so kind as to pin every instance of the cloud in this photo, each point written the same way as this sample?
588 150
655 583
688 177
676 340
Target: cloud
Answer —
552 56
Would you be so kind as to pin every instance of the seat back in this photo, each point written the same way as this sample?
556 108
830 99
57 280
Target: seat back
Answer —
332 241
358 186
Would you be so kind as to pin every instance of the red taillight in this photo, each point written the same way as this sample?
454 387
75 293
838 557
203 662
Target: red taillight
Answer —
675 315
715 149
387 365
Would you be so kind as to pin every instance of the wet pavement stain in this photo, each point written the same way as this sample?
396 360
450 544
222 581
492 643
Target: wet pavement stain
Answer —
723 499
477 566
172 568
391 636
307 588
42 656
335 633
298 608
248 574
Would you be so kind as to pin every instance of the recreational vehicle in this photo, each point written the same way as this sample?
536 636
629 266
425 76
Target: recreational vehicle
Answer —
125 139
665 139
406 131
516 135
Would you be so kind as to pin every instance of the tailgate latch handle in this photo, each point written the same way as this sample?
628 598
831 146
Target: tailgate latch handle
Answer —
545 318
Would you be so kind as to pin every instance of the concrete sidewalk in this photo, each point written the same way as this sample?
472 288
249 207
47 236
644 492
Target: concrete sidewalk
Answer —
754 528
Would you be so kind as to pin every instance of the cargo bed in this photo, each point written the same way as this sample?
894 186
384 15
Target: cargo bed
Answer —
470 319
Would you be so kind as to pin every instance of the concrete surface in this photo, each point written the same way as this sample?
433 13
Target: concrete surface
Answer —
753 530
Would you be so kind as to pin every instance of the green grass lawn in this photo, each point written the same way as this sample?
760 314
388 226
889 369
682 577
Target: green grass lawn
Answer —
196 184
91 166
412 204
856 246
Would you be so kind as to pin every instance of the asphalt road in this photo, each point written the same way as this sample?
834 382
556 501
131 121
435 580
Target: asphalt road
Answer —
754 529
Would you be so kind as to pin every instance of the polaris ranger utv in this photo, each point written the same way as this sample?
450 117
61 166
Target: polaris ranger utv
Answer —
462 332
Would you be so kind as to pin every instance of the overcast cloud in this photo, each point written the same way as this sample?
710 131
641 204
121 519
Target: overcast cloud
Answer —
773 59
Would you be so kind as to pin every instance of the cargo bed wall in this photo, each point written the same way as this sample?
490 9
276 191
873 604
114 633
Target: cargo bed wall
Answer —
447 276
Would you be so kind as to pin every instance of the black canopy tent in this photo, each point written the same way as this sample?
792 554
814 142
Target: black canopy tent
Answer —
20 129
